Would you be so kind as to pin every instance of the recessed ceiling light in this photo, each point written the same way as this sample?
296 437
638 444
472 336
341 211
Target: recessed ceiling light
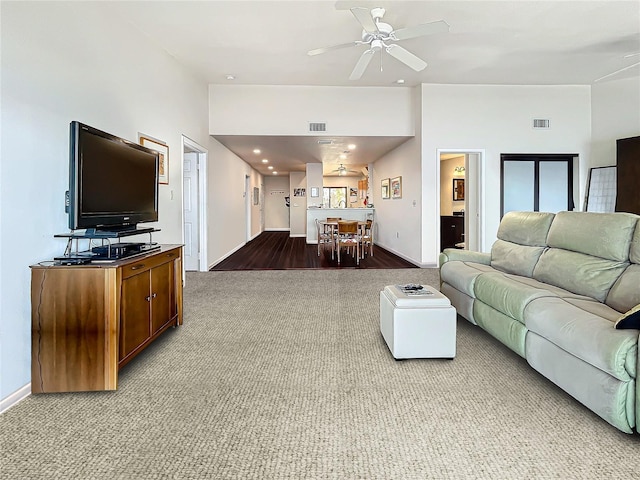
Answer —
264 160
270 167
256 151
351 146
343 156
275 173
400 81
230 77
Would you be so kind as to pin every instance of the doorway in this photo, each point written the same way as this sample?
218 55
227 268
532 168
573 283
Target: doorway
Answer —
462 197
194 214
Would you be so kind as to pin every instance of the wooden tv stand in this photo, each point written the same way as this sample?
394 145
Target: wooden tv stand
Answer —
88 321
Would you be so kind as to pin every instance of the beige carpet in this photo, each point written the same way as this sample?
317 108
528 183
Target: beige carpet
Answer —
284 375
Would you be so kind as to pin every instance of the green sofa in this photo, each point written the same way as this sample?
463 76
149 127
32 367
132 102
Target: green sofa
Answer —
552 289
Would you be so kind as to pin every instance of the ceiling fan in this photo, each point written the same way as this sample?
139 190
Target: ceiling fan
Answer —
628 67
379 35
342 170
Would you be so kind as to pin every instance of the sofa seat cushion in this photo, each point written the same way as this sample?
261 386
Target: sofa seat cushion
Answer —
462 275
507 294
585 334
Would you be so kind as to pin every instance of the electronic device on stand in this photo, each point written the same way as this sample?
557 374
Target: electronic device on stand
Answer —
113 187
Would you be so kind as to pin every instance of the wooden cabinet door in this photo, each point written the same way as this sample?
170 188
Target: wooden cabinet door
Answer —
135 327
163 304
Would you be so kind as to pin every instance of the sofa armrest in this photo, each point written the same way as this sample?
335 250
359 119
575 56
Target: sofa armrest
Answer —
451 254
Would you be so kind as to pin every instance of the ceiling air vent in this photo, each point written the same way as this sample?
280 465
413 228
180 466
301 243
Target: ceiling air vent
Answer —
325 142
540 123
317 126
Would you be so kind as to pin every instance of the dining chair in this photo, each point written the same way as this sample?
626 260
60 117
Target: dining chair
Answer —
366 238
325 236
348 237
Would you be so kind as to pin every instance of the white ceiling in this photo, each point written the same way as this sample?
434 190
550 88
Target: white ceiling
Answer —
489 42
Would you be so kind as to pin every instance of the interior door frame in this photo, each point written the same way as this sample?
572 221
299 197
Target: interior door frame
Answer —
474 203
202 162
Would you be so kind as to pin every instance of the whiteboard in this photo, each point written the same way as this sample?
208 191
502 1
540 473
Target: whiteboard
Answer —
601 190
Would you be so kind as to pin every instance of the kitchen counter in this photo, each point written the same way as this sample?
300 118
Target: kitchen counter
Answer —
344 213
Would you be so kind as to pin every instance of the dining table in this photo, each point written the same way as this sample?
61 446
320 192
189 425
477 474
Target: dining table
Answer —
331 226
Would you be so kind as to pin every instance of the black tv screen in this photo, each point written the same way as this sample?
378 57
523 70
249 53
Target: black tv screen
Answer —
113 182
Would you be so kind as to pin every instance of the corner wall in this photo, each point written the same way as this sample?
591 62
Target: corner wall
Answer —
616 114
64 61
498 119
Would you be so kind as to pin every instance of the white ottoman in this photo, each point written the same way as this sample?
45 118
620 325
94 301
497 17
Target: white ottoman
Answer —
420 324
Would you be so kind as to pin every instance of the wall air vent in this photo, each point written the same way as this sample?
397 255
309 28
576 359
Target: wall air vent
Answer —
540 123
317 126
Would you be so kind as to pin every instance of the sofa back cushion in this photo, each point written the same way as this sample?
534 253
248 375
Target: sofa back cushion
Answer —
604 235
521 240
513 258
625 293
525 228
578 273
634 251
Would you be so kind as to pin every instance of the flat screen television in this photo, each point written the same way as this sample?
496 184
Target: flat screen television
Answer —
113 183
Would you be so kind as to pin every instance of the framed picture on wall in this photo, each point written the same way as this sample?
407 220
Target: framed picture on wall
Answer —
315 192
385 188
256 195
163 149
396 187
458 189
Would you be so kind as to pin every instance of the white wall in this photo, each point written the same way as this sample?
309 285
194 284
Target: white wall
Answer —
314 180
69 61
498 119
298 210
226 202
398 219
286 110
615 115
276 213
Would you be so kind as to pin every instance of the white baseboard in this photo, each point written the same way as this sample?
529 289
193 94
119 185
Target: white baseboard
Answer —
277 229
231 252
298 235
15 397
404 257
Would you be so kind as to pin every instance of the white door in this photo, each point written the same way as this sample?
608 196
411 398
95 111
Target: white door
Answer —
191 214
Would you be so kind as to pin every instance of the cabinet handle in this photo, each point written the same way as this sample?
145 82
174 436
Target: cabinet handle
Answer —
137 267
154 295
148 298
171 255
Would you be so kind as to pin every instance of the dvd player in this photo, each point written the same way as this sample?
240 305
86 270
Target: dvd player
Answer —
118 250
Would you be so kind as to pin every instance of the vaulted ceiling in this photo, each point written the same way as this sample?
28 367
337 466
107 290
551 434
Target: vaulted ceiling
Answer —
488 42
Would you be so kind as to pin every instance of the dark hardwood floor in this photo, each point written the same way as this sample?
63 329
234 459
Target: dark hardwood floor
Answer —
278 251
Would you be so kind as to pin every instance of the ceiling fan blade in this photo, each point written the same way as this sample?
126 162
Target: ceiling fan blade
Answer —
318 51
419 30
406 57
363 15
617 72
361 66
